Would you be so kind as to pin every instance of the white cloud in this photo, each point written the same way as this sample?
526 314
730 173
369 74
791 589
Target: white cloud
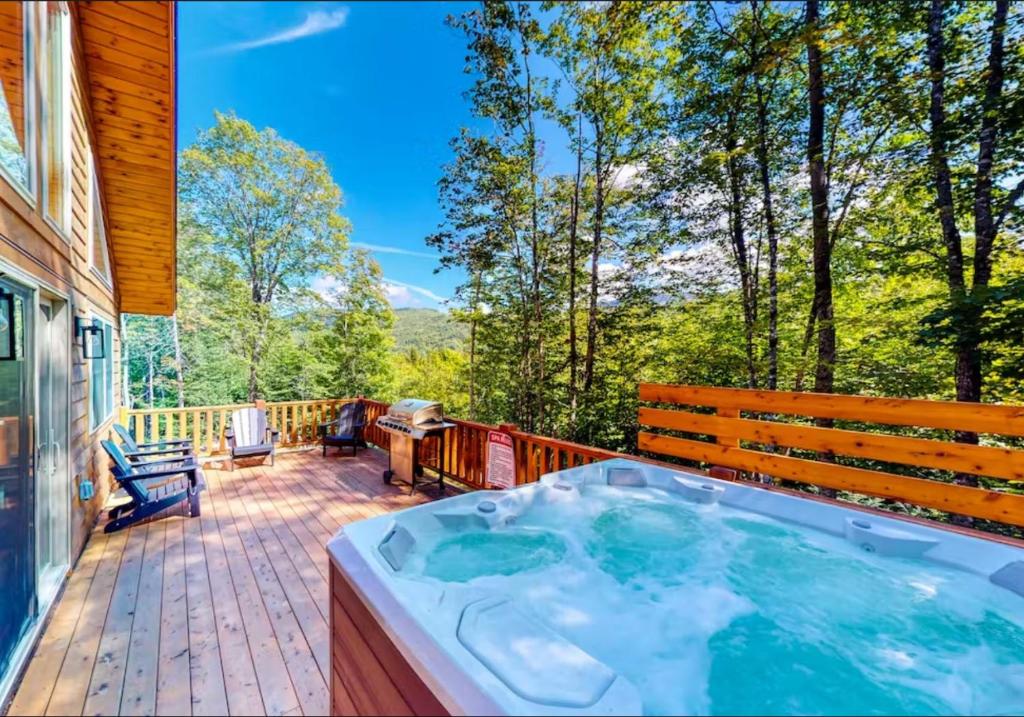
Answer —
399 293
626 175
326 286
382 249
316 22
404 291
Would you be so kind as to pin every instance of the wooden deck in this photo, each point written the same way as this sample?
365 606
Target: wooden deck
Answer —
223 614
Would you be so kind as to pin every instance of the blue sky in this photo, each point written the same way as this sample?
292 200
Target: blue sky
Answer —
375 88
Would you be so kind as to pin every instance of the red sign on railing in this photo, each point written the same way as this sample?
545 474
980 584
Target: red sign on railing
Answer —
501 461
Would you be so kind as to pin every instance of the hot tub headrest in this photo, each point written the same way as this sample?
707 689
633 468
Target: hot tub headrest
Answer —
533 661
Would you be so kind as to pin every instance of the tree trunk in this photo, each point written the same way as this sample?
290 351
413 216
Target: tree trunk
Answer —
126 365
179 376
149 379
824 374
574 218
824 377
748 294
805 347
472 348
968 368
984 219
258 326
967 371
595 256
773 237
254 359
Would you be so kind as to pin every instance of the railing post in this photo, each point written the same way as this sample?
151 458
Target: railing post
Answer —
724 472
727 413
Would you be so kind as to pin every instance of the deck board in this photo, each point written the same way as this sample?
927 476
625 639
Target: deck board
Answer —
58 642
225 613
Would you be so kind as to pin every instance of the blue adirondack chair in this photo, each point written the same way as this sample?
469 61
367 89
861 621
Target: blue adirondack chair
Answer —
346 429
152 486
139 452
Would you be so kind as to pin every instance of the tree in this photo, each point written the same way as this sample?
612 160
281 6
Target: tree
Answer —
491 190
272 211
608 56
824 377
993 121
361 319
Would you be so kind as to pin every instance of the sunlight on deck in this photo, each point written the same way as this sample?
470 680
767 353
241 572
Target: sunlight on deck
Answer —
226 613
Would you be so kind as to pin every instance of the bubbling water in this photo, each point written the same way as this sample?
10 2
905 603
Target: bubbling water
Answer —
467 556
710 610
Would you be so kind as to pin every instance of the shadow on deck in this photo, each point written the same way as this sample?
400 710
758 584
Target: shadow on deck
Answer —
223 614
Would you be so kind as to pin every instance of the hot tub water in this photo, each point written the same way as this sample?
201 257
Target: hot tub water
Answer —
710 609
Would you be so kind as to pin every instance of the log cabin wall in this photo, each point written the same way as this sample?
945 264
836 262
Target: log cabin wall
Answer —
66 264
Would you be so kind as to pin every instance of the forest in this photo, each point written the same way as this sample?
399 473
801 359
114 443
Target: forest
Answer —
806 195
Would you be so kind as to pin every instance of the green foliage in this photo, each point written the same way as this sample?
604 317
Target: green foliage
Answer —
265 213
428 329
259 221
653 261
437 374
686 119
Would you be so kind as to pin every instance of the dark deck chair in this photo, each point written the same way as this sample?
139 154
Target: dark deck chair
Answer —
250 435
152 487
139 452
346 429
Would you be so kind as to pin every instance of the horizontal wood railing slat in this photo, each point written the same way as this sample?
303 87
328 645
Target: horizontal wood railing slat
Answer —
463 458
942 455
945 415
976 502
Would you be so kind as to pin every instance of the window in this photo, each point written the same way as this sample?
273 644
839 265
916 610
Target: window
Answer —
16 97
55 55
98 257
101 380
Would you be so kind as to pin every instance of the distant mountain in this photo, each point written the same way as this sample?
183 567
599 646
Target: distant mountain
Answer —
426 329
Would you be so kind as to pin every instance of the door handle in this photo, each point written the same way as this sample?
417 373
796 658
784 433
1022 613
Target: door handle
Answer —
56 456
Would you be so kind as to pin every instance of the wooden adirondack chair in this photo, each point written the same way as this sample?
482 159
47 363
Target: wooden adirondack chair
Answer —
250 435
346 429
152 487
137 453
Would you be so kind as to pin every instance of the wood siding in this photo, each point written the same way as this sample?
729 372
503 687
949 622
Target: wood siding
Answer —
61 266
369 675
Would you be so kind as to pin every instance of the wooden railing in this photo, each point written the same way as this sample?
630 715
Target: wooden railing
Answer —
760 433
465 454
537 455
912 469
464 458
297 422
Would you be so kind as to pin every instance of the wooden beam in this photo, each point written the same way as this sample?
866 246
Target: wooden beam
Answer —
1006 463
948 415
949 497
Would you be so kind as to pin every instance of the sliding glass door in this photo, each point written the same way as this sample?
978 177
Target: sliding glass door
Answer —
53 494
17 485
35 499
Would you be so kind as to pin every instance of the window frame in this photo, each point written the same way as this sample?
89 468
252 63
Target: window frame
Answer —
29 35
61 225
98 421
96 214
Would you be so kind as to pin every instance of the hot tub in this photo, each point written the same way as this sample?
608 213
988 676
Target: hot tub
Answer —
625 588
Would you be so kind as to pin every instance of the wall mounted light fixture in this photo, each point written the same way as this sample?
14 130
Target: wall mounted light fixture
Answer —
91 333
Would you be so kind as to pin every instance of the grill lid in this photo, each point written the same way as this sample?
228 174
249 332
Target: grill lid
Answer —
416 411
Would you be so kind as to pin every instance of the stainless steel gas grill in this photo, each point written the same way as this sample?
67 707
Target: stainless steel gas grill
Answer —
409 421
